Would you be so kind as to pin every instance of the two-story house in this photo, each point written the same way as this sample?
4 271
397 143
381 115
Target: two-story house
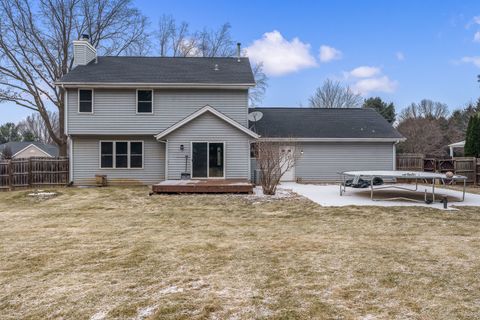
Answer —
147 119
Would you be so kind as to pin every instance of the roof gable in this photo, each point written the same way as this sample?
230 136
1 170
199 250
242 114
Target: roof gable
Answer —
18 146
198 113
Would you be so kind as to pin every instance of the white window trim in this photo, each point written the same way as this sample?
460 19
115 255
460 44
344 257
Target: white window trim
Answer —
78 100
114 154
136 101
208 159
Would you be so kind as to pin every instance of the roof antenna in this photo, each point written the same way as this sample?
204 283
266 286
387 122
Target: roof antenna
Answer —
238 51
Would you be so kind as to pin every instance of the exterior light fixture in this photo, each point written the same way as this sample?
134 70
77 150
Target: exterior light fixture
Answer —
182 147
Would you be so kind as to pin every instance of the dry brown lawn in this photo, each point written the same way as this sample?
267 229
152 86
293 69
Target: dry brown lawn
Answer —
118 253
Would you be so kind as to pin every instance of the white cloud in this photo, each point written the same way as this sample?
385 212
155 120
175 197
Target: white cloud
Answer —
364 72
476 37
376 84
400 56
327 54
280 56
474 60
476 19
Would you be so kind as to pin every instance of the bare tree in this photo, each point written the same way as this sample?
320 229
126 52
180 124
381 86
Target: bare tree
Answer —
425 109
166 27
257 93
176 40
35 48
424 136
35 124
332 94
6 153
216 43
274 160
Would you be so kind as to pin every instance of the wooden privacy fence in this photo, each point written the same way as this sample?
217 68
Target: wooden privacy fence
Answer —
465 166
33 172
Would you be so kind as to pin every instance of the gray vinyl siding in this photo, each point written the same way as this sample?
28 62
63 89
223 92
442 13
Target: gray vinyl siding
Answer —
82 54
114 110
86 156
322 161
209 128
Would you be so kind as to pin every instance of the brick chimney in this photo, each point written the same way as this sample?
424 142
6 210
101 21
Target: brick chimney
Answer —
83 51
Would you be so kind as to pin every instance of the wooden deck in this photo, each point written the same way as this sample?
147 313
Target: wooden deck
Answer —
204 186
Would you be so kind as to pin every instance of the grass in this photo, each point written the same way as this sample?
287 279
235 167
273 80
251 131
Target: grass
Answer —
118 253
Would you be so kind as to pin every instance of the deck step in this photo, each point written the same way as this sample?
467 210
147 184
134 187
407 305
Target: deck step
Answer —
204 186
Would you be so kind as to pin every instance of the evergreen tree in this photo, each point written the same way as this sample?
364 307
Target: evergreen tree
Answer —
387 110
472 142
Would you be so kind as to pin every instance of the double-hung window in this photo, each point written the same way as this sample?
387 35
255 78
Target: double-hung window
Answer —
144 101
121 154
85 100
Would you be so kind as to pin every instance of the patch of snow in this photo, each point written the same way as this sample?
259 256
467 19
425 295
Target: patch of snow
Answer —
329 196
178 182
145 312
171 289
100 315
42 194
281 193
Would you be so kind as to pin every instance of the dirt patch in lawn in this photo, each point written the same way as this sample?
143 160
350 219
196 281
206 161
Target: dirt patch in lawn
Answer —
118 253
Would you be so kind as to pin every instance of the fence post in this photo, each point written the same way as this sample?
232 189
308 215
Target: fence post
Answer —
476 162
29 170
10 174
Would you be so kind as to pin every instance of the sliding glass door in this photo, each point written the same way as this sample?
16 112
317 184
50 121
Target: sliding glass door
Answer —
208 160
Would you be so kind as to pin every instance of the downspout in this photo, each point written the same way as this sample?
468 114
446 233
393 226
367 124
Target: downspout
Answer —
395 154
69 138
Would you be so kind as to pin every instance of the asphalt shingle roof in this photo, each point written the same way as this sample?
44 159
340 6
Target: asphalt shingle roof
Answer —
16 146
322 123
165 70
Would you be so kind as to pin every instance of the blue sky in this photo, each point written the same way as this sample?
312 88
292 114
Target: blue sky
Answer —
402 51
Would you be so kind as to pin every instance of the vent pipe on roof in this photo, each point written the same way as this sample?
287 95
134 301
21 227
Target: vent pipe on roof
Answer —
238 51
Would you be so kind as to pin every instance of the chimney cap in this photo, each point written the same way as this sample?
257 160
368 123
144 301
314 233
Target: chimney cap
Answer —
85 37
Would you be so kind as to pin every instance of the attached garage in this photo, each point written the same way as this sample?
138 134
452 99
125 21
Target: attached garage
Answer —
329 141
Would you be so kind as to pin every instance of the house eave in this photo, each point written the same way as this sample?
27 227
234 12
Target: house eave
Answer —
274 139
148 85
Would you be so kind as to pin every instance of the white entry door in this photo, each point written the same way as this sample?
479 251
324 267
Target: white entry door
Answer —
287 152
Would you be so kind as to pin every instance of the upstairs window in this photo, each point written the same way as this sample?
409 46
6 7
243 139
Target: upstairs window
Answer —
144 101
85 100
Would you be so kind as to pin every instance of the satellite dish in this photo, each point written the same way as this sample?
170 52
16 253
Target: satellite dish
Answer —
255 116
